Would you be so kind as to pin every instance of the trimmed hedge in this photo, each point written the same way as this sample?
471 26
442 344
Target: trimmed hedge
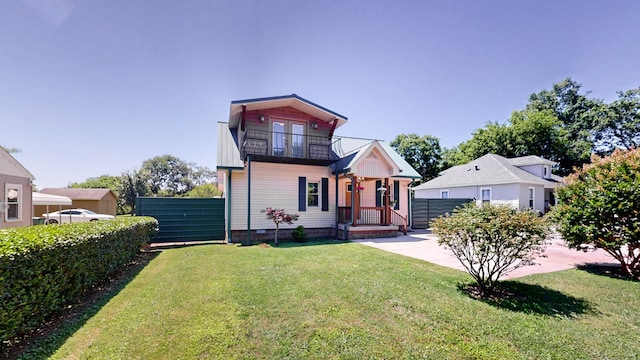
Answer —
45 268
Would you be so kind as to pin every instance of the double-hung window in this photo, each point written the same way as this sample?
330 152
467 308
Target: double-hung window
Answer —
444 194
531 197
313 191
486 195
13 196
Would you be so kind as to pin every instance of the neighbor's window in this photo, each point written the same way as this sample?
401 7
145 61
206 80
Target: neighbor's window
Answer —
312 193
12 198
531 197
486 196
444 194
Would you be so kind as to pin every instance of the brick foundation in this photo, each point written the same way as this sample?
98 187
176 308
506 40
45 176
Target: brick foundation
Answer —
284 235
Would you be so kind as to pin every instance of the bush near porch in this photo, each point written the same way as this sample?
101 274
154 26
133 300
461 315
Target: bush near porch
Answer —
45 268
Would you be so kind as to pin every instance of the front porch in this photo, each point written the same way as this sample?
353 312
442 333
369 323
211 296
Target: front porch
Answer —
370 222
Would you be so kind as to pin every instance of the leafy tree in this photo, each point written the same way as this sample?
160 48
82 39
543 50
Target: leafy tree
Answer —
491 240
423 153
168 175
578 115
11 150
599 206
132 186
112 183
620 128
204 191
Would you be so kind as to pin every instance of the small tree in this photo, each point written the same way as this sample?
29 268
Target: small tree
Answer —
490 240
600 206
279 216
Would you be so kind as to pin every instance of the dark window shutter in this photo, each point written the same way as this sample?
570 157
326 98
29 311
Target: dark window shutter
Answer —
378 193
396 194
302 193
325 194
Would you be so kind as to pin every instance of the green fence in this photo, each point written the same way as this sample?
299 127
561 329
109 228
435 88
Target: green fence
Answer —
425 210
184 219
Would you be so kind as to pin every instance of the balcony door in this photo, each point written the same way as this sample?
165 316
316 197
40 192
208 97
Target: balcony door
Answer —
288 139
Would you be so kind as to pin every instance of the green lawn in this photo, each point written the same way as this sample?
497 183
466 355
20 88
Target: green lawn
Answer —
347 301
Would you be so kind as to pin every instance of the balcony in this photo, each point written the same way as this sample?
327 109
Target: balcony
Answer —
281 147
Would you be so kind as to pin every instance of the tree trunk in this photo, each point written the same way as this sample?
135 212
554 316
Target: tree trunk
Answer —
276 237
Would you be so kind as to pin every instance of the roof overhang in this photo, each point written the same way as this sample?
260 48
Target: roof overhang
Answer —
48 199
293 100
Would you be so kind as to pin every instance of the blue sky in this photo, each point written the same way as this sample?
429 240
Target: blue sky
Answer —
96 87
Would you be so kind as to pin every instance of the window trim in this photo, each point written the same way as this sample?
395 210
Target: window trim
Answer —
482 201
442 192
317 194
18 202
531 194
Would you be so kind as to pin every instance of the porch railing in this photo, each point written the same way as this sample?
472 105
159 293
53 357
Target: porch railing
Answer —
287 145
399 220
370 216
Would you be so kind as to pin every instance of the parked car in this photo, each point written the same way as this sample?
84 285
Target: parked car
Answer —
74 215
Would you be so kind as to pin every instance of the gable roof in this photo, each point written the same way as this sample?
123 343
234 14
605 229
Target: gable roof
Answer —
10 166
292 100
79 193
530 160
490 169
351 150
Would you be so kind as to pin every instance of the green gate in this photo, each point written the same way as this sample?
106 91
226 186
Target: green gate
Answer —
184 219
423 211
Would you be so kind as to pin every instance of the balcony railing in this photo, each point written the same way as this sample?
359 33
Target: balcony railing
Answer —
287 147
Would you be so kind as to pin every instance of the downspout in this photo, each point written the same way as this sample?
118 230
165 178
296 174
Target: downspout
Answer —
248 200
337 207
228 196
410 203
353 201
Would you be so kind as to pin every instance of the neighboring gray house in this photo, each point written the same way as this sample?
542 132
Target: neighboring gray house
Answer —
523 182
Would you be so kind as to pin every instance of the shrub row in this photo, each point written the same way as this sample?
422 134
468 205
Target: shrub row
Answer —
45 268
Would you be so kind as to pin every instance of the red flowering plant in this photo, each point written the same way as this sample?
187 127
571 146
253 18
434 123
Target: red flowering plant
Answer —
279 216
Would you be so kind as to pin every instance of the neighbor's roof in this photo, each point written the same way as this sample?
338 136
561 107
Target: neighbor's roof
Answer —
38 198
490 169
349 149
292 100
228 153
530 160
78 193
10 166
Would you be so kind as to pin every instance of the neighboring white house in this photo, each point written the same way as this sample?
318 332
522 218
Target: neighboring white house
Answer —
16 186
523 182
281 152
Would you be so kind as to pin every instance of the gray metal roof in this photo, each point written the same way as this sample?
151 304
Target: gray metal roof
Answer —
228 152
490 169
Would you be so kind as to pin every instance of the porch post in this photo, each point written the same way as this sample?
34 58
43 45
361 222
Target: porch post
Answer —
337 207
387 200
248 200
355 210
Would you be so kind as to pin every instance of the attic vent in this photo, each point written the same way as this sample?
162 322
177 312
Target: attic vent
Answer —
476 167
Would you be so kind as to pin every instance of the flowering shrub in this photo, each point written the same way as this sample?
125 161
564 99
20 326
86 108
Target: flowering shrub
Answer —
279 216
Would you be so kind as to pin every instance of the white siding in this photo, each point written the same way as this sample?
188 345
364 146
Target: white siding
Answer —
538 203
533 169
276 185
374 166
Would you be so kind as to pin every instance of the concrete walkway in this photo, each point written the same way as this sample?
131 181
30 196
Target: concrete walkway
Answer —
424 246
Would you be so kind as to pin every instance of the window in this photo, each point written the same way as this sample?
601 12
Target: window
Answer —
545 171
13 196
444 194
312 193
531 197
486 196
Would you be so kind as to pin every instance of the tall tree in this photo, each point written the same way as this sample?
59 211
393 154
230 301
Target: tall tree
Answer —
620 128
132 186
423 153
168 175
578 114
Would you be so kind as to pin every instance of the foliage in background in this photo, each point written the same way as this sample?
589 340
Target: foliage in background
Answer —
170 176
620 127
424 153
600 206
279 216
491 240
204 191
45 268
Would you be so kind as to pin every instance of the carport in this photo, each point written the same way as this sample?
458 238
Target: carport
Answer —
41 199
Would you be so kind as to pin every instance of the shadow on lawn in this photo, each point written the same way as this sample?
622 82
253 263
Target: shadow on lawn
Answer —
287 244
612 271
531 299
43 342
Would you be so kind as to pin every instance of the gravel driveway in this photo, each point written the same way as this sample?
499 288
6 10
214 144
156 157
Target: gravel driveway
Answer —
424 246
